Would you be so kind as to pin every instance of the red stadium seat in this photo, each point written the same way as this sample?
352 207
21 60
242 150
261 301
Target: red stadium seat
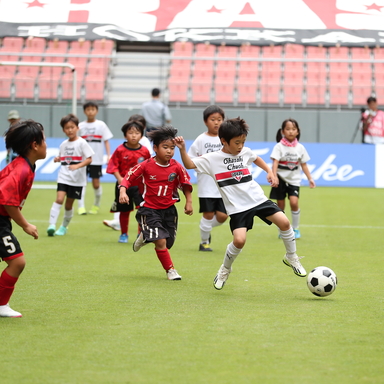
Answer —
5 87
293 94
13 44
24 87
201 90
338 95
94 89
224 91
246 92
102 46
270 94
315 93
178 91
67 86
48 87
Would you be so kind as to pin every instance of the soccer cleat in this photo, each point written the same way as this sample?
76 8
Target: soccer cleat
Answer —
123 238
205 247
61 231
297 233
139 242
51 230
94 210
173 275
221 277
114 224
82 211
294 263
7 311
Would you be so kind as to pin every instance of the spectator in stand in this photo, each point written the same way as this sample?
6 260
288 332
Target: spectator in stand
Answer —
373 123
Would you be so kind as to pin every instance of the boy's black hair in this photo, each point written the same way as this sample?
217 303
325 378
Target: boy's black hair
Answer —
279 134
139 118
68 118
90 104
136 124
155 92
164 133
233 128
20 136
211 110
370 99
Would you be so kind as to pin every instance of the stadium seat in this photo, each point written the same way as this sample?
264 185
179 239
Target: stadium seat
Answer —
102 46
94 89
48 87
223 66
66 83
246 92
224 91
13 44
201 90
270 93
5 87
204 67
360 94
312 67
315 93
293 94
338 95
24 87
178 91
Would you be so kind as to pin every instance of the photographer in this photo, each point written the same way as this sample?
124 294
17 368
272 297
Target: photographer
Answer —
373 123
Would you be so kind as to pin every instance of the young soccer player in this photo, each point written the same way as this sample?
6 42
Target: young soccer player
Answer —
74 155
97 134
27 139
126 156
243 197
211 203
288 155
157 215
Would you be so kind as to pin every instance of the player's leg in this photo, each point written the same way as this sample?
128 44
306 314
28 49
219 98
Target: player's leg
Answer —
293 196
165 259
124 222
205 231
81 202
98 190
55 209
68 214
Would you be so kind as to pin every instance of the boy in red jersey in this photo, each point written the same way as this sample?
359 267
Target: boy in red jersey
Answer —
157 215
126 156
27 139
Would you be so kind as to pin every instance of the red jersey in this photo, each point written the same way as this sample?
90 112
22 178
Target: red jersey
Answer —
15 183
160 182
124 158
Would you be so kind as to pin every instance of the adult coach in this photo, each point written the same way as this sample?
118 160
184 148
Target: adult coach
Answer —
373 123
155 112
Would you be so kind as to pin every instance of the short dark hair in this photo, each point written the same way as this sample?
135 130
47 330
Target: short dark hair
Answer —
90 104
370 99
233 128
164 133
136 124
211 110
139 118
279 134
20 136
155 92
68 118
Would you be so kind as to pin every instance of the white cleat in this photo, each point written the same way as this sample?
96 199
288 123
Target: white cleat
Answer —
114 224
221 277
294 263
173 275
7 311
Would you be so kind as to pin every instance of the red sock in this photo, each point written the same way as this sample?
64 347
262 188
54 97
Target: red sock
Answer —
165 258
7 285
124 220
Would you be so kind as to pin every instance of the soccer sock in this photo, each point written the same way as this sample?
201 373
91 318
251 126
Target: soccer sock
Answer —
165 258
295 219
289 241
215 223
80 203
55 212
230 255
205 229
67 217
7 285
124 220
116 216
98 193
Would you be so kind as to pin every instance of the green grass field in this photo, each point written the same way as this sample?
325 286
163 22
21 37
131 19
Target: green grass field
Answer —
95 312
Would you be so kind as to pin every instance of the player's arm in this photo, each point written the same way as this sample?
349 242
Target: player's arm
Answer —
119 178
272 179
188 208
305 169
82 164
133 174
180 143
16 215
107 149
275 164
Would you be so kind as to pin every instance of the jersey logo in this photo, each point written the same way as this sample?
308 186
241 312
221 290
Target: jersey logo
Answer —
172 176
237 175
152 177
68 160
140 160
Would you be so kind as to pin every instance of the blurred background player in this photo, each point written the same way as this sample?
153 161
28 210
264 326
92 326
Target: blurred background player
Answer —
126 156
13 118
74 155
373 123
211 203
289 157
27 139
157 216
97 134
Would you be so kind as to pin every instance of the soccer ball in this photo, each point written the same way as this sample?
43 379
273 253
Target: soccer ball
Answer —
322 281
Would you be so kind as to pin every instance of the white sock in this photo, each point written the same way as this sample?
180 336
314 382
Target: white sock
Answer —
230 255
205 229
98 193
289 241
67 217
116 216
55 212
80 203
295 219
215 223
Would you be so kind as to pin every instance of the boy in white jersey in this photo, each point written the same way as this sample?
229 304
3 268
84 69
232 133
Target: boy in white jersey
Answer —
243 197
97 134
75 154
211 203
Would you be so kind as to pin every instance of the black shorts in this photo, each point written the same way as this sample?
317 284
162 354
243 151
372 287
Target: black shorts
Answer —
284 189
9 245
135 199
158 224
211 204
71 191
245 219
94 171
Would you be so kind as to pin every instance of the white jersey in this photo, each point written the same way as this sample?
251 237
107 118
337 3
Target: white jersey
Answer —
233 178
202 145
289 159
146 143
96 133
73 152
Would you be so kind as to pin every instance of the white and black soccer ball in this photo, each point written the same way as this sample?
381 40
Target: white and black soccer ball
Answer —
322 281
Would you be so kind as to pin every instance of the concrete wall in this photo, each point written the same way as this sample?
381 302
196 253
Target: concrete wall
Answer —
317 126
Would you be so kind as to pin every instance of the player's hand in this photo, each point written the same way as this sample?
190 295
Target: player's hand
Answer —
56 159
73 167
188 209
312 183
123 198
272 179
179 142
31 230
